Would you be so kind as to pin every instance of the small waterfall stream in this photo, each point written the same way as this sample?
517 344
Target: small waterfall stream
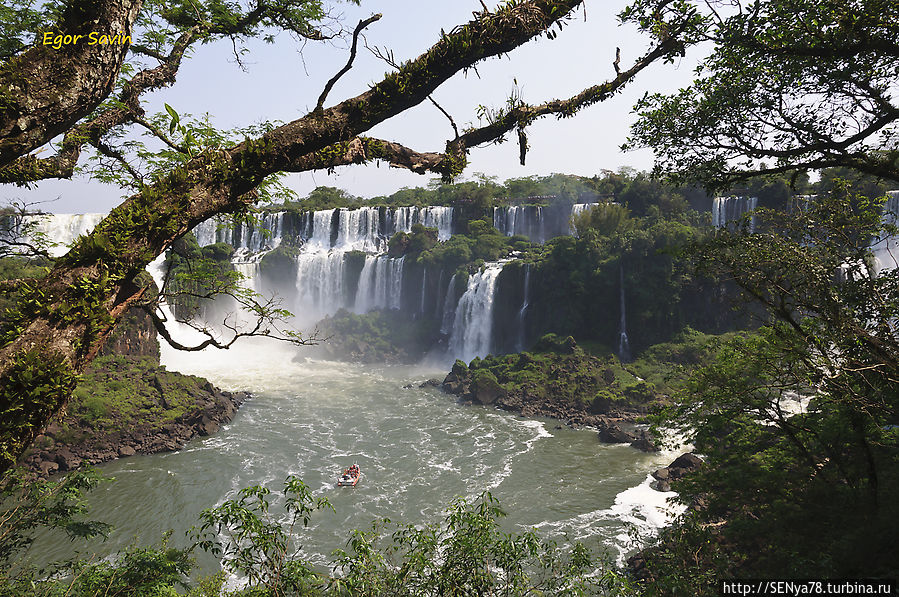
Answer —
624 347
524 307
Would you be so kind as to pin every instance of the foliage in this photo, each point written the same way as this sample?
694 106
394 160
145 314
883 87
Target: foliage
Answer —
18 19
196 275
120 392
465 555
251 540
482 243
797 84
810 493
602 219
557 371
28 504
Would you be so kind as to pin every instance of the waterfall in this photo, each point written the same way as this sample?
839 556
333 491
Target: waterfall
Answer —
725 210
358 230
449 308
263 235
624 348
380 284
440 218
437 305
435 216
472 333
885 249
60 230
527 220
424 289
320 235
524 307
319 285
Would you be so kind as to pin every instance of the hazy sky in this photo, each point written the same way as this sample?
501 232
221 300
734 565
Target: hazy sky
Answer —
280 83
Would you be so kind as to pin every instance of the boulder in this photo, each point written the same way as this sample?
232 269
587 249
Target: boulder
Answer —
613 434
66 460
662 474
486 389
206 426
125 451
645 444
683 464
431 383
48 467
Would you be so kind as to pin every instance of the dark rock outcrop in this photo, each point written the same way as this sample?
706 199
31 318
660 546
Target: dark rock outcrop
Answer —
613 434
645 443
126 406
682 466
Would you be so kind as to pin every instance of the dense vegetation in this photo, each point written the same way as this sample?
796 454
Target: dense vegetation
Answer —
562 379
788 494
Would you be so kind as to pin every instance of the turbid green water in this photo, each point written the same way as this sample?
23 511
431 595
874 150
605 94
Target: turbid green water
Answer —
418 450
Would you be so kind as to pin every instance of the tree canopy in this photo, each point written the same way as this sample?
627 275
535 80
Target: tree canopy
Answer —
787 85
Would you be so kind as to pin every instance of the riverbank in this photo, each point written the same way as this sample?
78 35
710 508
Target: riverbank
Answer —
127 405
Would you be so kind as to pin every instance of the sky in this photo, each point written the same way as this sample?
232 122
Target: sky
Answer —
282 81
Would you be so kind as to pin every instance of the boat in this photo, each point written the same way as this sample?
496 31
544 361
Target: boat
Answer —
350 477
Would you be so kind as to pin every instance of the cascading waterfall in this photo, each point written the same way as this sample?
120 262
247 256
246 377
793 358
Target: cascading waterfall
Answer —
472 332
59 229
319 285
436 216
725 210
624 348
359 230
424 289
527 220
449 308
248 241
524 307
319 236
325 237
380 284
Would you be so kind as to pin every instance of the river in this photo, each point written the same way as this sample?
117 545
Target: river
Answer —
418 450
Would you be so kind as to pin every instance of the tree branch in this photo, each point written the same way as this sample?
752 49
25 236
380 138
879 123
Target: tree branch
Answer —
46 90
362 25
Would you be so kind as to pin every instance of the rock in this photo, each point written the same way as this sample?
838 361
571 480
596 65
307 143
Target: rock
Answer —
47 468
645 444
486 389
408 386
431 383
66 460
207 426
613 434
683 464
